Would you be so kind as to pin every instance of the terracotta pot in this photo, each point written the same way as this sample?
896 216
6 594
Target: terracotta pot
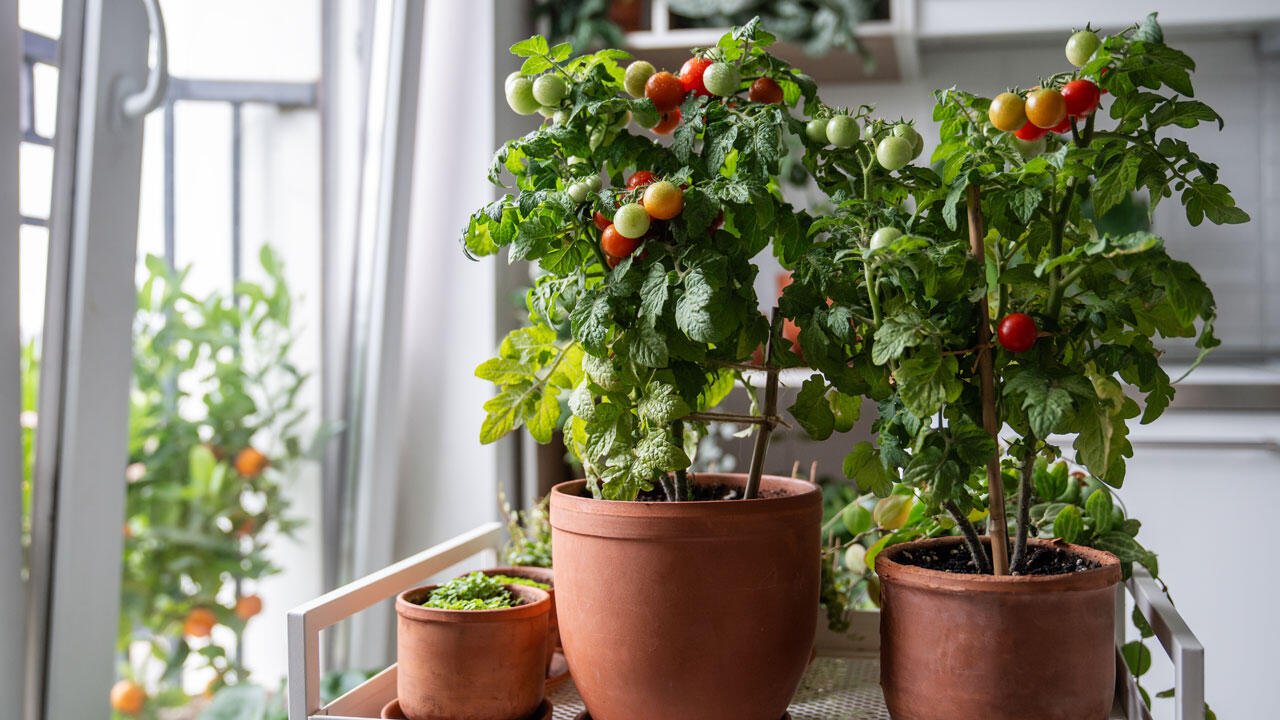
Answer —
545 576
471 664
980 647
691 609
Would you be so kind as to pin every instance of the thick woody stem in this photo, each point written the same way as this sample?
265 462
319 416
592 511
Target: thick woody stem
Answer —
970 538
997 527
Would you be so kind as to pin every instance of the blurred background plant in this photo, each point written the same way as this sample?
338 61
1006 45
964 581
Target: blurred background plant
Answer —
530 532
215 430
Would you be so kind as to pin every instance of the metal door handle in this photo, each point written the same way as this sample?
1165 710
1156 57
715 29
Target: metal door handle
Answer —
136 105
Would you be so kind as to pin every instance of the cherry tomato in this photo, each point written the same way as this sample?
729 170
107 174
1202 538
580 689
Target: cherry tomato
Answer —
1030 132
691 75
615 244
1081 97
893 152
842 131
665 90
1007 112
631 220
600 220
549 90
884 237
1017 332
765 90
612 261
1045 108
721 79
638 73
1063 127
1081 46
663 200
640 178
668 122
520 96
816 130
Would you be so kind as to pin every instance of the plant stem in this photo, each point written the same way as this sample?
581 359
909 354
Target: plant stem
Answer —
682 475
970 537
1024 504
997 528
770 410
872 294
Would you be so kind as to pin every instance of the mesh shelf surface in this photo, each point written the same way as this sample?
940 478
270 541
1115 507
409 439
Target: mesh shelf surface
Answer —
833 688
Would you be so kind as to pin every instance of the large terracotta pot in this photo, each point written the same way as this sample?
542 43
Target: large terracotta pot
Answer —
546 576
688 610
471 664
980 647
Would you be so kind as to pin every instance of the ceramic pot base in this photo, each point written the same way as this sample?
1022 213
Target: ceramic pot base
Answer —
586 715
391 711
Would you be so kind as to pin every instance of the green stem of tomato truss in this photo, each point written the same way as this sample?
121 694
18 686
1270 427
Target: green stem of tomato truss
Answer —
1057 283
1024 505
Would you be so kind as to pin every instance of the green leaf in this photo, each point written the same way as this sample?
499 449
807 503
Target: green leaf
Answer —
927 381
863 466
1115 184
661 404
1024 201
1099 508
845 410
1149 30
536 45
856 519
812 409
545 416
1137 657
653 295
503 415
894 336
591 320
699 313
503 371
657 453
1068 524
1045 403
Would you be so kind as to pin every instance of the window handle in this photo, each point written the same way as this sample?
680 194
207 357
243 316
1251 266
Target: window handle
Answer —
136 105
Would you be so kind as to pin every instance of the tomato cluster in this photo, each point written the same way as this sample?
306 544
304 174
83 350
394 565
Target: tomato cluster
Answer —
700 75
660 200
1042 110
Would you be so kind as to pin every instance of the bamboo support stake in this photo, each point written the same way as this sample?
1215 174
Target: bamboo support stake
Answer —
770 412
997 526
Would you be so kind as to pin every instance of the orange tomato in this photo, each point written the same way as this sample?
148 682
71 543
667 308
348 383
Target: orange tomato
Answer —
127 697
665 90
668 122
250 463
199 623
1007 112
248 606
663 200
1046 108
615 244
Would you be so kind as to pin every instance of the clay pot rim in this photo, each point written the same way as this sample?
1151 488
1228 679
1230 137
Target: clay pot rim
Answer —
799 491
537 602
1107 573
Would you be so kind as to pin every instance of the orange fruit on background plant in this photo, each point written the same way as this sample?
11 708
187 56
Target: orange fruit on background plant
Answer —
127 697
250 463
199 623
663 200
248 606
1046 108
665 90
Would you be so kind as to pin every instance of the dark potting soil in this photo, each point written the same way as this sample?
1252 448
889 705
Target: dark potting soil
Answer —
717 491
956 559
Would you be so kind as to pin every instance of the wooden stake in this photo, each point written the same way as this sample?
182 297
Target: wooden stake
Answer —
770 412
997 526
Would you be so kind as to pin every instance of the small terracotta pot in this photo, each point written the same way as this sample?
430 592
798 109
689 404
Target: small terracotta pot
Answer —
545 576
980 647
689 609
471 664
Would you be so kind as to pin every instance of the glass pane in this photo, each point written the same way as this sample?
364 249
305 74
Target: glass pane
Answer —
46 98
35 179
42 16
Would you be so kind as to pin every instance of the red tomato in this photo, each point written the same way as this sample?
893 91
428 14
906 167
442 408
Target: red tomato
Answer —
640 178
615 244
668 122
601 221
1081 97
1017 332
691 75
1062 127
1102 72
1031 132
765 90
665 90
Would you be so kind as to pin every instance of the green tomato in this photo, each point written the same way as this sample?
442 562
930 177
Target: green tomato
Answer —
721 79
622 120
893 153
816 129
856 519
638 73
547 111
560 116
884 237
594 183
855 559
511 78
631 220
842 131
1081 46
578 191
908 133
550 89
520 96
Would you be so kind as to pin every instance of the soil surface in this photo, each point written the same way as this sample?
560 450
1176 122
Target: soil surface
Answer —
956 559
718 491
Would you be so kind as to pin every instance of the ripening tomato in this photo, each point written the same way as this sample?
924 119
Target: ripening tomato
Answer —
637 74
1007 112
1081 46
1030 132
631 220
1045 108
600 220
691 75
127 697
615 244
668 122
1081 97
1017 332
665 90
640 178
663 200
765 90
